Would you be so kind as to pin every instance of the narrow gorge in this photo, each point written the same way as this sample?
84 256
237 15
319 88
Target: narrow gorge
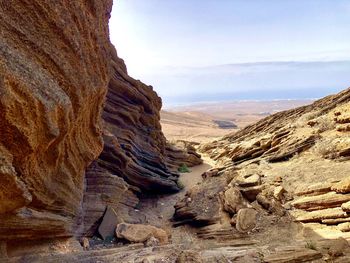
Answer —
87 175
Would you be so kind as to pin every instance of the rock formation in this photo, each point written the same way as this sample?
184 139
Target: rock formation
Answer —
54 72
135 147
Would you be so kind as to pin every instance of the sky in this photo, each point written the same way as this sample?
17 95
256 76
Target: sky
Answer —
235 49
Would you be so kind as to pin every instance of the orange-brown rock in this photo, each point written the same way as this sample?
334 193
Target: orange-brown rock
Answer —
54 72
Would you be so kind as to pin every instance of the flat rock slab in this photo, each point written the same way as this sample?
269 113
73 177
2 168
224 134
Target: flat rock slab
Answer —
304 255
318 202
319 215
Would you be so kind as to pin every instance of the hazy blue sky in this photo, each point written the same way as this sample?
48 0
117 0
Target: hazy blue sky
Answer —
170 44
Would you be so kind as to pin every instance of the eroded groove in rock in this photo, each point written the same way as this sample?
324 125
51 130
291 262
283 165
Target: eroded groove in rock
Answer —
134 143
54 70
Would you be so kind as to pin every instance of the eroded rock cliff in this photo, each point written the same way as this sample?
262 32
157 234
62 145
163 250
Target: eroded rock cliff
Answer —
134 143
54 72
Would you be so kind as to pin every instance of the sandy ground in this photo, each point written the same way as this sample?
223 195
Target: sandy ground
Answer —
196 122
159 209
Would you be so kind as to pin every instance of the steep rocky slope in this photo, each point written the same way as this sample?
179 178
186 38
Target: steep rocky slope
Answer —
54 71
283 180
56 65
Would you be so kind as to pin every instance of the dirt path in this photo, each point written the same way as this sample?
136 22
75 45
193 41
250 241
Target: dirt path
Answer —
159 209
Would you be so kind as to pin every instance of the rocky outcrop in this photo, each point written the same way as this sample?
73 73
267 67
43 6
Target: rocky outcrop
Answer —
181 153
135 147
283 135
54 72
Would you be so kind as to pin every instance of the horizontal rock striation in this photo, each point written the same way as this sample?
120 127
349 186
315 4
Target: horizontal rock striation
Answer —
181 153
279 137
135 147
54 72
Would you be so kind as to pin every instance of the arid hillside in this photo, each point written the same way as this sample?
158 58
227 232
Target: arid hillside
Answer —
87 174
206 122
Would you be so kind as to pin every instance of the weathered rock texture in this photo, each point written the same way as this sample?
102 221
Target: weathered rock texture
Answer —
282 135
134 143
54 72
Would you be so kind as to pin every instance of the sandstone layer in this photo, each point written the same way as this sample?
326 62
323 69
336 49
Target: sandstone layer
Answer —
54 72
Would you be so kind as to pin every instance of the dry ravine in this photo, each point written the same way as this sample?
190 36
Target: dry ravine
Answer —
87 175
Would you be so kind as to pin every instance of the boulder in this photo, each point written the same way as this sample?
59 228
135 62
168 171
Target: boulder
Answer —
234 201
246 219
338 247
138 233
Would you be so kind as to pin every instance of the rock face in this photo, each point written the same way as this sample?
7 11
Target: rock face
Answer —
54 72
134 143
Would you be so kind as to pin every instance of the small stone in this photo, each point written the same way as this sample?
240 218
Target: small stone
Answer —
278 193
278 179
85 243
233 220
152 242
246 219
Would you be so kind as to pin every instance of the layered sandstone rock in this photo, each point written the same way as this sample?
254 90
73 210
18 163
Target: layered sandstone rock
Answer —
283 135
135 147
54 72
181 153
